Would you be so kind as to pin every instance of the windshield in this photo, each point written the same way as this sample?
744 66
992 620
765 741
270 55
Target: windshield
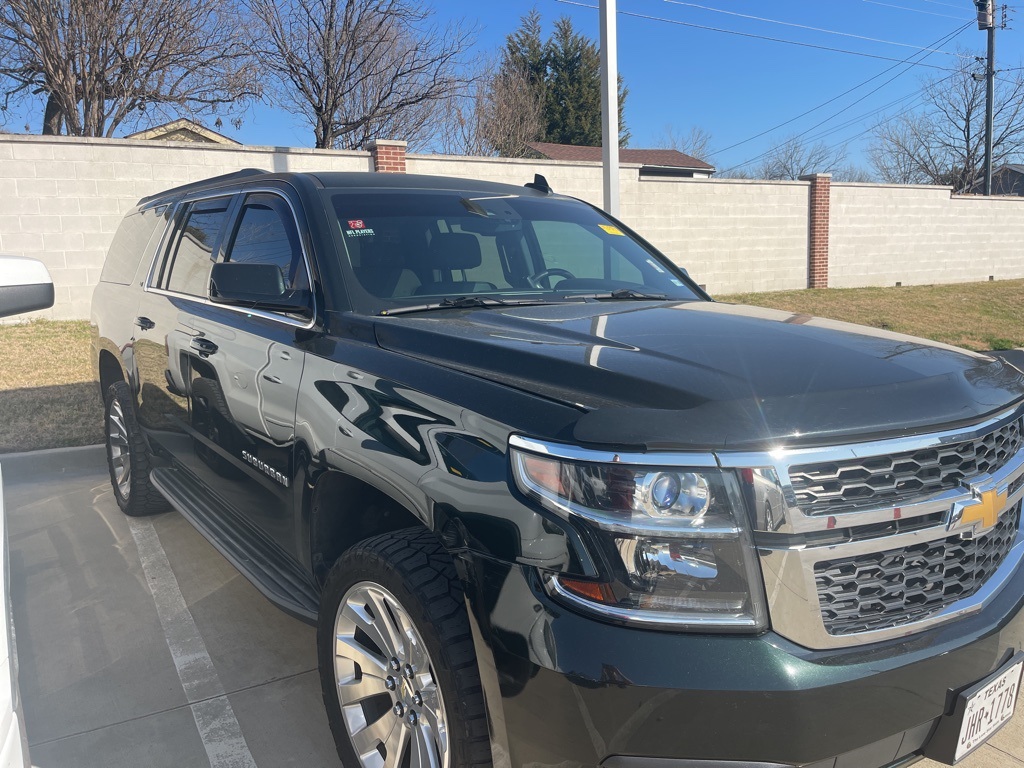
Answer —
413 248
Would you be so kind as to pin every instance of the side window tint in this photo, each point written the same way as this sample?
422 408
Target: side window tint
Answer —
192 256
266 234
131 246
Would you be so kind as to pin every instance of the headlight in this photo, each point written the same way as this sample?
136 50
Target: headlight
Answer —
675 537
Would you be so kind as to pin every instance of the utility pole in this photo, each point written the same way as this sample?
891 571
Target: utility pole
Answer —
987 21
610 107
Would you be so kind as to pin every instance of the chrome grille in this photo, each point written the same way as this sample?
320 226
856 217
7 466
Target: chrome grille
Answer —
900 586
892 479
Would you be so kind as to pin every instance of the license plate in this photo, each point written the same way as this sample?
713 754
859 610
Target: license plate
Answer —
987 708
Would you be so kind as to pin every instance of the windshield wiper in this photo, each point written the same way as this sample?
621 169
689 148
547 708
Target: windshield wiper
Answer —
461 303
621 293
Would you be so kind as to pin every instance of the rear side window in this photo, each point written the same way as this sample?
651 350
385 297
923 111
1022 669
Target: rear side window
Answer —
266 234
188 267
132 245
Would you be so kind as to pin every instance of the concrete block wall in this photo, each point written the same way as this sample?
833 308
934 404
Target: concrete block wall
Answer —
882 234
732 235
61 199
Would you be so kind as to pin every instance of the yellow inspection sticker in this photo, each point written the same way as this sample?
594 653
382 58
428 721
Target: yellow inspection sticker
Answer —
611 230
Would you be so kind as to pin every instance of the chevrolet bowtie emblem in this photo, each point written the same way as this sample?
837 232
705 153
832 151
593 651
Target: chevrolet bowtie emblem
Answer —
979 514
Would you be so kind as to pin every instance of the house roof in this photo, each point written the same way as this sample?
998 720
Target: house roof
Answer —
1015 167
663 158
182 129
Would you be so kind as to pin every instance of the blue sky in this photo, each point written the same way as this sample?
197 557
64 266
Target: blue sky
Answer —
736 87
732 86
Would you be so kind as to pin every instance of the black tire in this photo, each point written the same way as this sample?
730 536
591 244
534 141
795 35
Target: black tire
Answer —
412 565
126 447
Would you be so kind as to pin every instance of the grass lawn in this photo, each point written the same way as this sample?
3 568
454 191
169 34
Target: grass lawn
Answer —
48 398
977 316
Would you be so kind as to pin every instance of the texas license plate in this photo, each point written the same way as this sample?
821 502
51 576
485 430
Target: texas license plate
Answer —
987 707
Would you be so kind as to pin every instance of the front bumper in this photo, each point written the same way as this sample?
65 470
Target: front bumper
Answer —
566 690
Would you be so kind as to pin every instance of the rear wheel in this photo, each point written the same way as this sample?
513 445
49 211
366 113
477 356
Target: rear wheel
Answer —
397 666
128 456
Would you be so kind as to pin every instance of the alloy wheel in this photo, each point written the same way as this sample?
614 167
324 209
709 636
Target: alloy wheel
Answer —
120 449
390 700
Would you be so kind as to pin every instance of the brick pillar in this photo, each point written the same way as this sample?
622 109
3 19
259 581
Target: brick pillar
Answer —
817 229
388 156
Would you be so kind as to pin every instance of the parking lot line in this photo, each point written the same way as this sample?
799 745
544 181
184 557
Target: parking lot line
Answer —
215 719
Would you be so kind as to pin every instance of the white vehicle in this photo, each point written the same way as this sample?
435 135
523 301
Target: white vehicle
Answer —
25 286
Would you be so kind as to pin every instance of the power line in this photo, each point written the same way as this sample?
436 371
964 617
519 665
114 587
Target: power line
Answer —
948 5
940 41
753 36
813 127
915 95
915 10
915 103
806 27
858 101
909 108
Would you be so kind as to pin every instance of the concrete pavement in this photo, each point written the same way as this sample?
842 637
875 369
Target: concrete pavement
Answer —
139 645
129 661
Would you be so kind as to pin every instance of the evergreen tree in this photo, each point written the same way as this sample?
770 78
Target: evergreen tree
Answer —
565 76
525 54
573 104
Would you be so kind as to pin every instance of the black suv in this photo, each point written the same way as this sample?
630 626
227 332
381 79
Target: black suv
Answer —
547 503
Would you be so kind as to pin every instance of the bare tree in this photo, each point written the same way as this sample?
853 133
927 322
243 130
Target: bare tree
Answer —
460 131
899 152
795 158
361 69
99 64
853 173
696 142
512 112
943 142
499 115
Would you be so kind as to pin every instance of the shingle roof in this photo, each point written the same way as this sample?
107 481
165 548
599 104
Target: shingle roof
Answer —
664 158
182 129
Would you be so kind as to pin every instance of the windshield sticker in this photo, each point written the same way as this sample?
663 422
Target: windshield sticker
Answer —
655 265
677 282
611 230
358 228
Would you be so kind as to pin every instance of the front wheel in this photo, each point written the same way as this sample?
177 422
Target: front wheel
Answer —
397 665
128 456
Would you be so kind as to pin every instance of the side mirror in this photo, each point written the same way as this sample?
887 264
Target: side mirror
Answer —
25 285
256 286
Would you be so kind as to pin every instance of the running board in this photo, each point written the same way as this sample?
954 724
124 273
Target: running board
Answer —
269 570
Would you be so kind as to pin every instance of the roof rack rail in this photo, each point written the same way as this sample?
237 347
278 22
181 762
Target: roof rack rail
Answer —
233 176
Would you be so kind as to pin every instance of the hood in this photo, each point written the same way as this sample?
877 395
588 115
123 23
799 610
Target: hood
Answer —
705 375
